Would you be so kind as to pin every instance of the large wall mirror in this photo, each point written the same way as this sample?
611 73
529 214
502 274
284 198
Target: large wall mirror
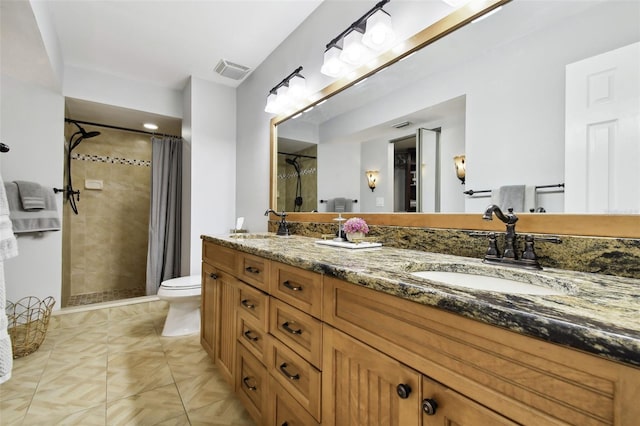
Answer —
507 92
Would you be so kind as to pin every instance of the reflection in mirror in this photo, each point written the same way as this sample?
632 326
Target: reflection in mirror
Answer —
508 76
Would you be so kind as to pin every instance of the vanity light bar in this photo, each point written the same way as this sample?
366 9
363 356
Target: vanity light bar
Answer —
287 94
360 42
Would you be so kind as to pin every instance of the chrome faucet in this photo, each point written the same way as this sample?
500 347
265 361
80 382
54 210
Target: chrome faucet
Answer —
283 226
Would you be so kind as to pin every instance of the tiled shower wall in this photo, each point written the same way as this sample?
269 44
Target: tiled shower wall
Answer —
287 181
105 246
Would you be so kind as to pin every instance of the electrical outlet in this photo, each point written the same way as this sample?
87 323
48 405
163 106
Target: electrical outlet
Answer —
379 201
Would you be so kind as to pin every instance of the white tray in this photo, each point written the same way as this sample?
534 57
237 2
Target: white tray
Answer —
347 244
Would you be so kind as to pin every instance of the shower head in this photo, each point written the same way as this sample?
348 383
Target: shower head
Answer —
83 135
294 163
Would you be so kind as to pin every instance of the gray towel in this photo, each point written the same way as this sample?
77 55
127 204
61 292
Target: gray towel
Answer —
510 196
341 205
31 195
23 221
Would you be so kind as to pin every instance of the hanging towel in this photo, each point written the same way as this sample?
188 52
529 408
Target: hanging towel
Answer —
530 199
31 195
23 221
8 249
510 196
340 205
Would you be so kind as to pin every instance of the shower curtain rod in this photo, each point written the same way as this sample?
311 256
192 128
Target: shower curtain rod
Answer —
296 155
108 126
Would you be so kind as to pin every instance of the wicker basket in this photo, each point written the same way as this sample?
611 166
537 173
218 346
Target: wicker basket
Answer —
28 320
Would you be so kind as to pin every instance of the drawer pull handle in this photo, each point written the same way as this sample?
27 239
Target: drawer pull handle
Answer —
252 270
246 383
403 390
248 335
429 406
292 287
213 276
291 330
283 368
247 304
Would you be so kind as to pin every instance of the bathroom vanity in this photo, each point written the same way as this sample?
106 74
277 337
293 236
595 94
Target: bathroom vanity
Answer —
310 334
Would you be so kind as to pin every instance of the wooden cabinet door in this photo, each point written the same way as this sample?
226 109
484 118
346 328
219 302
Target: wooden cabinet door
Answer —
447 407
226 299
360 385
207 310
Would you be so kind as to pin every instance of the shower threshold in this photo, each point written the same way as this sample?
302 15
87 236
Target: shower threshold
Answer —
105 296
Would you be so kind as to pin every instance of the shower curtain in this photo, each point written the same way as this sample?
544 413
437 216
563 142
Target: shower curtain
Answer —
8 249
163 257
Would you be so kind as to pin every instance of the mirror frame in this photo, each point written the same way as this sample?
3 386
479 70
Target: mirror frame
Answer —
600 225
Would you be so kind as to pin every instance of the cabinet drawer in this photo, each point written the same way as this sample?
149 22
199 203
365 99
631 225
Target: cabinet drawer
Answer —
252 335
297 287
297 376
254 270
284 410
251 384
254 303
449 407
221 257
301 332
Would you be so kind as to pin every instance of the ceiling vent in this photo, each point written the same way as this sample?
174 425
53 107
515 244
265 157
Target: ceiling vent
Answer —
231 70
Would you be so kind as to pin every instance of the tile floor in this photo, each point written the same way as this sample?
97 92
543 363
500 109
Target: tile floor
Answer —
110 366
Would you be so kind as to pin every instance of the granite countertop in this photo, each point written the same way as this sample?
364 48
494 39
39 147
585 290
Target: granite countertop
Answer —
599 314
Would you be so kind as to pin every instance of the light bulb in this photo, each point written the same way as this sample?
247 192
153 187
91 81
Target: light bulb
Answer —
353 51
379 34
333 66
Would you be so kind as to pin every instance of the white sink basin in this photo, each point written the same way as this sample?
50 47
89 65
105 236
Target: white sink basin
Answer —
486 283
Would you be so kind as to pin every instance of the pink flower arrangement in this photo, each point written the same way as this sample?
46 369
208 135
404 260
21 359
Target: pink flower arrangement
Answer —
356 224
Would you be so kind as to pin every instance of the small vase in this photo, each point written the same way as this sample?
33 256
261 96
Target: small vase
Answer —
355 237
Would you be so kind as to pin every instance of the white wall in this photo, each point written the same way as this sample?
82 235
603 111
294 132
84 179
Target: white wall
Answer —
32 124
213 163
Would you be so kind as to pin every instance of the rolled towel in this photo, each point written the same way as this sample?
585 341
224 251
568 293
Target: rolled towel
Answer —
31 195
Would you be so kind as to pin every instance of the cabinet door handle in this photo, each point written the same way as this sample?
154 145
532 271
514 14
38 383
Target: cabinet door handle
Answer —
246 383
248 335
291 330
213 275
403 390
429 406
247 304
283 368
252 270
292 287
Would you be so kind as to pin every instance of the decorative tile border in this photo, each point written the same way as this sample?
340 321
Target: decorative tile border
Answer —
110 160
303 172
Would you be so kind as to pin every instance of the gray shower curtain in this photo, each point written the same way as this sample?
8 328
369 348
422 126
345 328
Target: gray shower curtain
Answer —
163 257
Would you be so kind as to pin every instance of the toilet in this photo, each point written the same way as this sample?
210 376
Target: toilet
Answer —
183 295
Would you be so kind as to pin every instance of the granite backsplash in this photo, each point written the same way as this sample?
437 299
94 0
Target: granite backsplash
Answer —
611 256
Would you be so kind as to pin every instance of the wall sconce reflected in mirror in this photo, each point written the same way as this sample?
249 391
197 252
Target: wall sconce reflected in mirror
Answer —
372 178
459 162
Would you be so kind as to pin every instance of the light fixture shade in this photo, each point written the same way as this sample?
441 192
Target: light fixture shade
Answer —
461 169
283 100
272 106
379 35
353 51
297 89
372 178
333 66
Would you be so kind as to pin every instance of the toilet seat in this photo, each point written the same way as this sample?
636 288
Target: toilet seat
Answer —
181 287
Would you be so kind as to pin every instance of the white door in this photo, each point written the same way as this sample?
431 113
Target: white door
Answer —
602 140
428 155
